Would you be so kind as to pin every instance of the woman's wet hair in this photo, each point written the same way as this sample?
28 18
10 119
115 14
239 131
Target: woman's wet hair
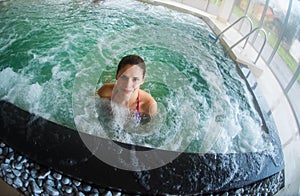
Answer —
131 60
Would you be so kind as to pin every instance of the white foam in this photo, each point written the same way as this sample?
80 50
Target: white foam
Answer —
8 79
221 126
18 90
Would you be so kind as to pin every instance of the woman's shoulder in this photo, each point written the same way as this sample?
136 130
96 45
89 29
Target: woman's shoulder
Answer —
148 103
146 97
106 90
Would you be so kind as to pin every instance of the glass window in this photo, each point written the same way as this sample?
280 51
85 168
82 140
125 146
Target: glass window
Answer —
285 62
240 9
294 95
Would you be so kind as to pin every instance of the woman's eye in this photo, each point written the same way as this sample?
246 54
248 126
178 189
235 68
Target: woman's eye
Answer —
123 77
135 79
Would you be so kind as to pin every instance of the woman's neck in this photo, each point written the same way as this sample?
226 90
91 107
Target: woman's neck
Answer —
118 98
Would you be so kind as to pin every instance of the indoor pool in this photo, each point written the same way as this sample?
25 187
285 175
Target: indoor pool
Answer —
52 63
54 55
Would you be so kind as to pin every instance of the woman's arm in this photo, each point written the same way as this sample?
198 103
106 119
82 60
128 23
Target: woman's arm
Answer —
153 108
106 90
149 105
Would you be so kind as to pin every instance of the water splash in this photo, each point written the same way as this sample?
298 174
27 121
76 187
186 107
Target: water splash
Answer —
56 56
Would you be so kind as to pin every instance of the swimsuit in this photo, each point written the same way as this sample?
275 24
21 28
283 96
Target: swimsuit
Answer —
138 113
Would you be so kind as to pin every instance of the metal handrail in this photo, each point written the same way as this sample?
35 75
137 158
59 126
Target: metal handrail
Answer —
260 29
238 20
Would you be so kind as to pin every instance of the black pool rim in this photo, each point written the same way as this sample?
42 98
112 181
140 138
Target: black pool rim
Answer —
63 150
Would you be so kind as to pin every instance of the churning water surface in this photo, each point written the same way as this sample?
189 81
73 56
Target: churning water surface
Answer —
55 54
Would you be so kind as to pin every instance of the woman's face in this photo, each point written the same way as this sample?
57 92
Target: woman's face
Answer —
129 80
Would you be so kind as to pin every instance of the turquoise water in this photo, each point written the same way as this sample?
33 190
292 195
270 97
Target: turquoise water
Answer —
55 54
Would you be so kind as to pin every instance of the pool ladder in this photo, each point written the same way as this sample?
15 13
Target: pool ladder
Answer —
246 37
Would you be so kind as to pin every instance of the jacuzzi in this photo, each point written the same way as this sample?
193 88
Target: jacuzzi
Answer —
213 133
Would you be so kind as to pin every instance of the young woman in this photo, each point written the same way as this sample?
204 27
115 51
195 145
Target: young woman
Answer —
126 91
